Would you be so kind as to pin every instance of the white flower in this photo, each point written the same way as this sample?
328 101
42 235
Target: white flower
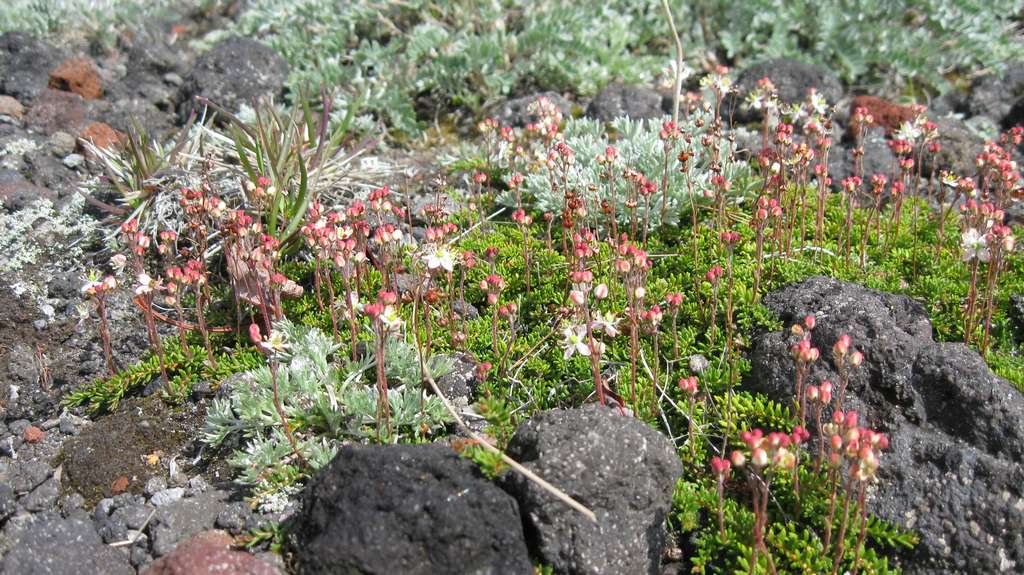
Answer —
442 258
908 131
818 104
90 287
390 318
975 245
575 341
118 262
146 284
606 323
276 342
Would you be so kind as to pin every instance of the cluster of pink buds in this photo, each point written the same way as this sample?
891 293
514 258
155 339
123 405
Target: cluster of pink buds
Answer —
166 245
487 126
729 239
803 352
714 274
493 284
136 241
767 207
261 189
581 280
688 385
720 467
820 395
611 153
773 451
196 202
387 234
549 118
862 116
652 318
669 131
381 204
858 445
521 217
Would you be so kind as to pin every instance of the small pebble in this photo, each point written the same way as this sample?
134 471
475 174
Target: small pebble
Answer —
197 485
698 363
167 496
72 161
155 485
67 426
62 144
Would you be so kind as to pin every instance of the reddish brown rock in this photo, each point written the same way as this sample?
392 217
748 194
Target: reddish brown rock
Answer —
78 75
11 107
888 115
120 485
102 136
56 111
210 553
33 434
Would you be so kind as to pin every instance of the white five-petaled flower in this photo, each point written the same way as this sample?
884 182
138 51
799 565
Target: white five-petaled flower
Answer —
908 131
276 342
442 258
819 104
575 341
975 245
606 322
146 284
390 318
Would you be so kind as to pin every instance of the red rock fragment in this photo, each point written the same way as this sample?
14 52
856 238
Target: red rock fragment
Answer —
102 136
888 115
78 75
120 485
33 434
210 553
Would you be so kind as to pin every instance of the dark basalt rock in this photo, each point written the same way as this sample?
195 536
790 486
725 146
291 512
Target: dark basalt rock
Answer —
236 71
50 545
408 509
953 471
999 97
25 65
617 466
617 100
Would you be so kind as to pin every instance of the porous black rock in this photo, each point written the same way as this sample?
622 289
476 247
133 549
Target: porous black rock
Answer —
57 546
617 100
999 97
25 65
235 72
953 472
617 466
407 509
